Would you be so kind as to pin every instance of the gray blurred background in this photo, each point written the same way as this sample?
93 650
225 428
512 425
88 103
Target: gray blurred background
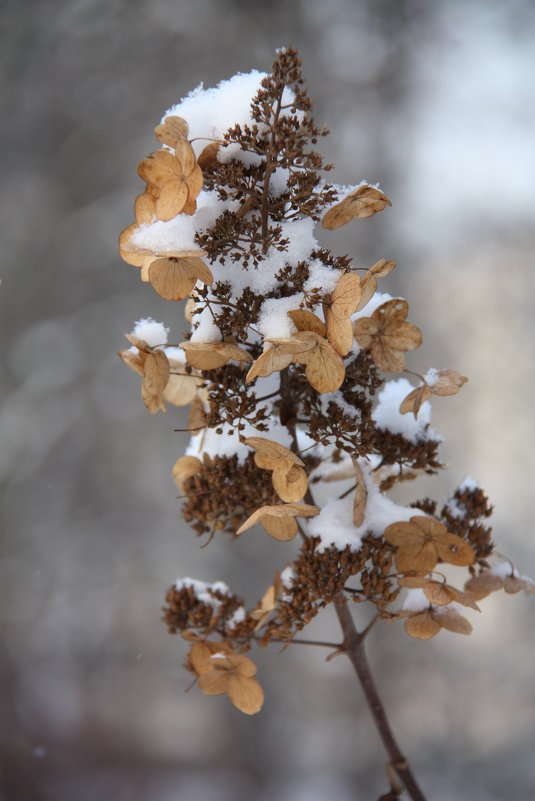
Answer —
437 102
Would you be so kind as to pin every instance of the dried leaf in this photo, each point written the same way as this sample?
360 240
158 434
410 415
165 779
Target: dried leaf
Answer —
185 467
363 202
307 321
171 130
361 496
155 378
338 308
180 389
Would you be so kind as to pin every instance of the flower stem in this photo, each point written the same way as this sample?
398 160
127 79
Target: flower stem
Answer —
354 647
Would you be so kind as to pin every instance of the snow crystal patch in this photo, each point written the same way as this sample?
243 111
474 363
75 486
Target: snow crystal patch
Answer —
416 601
287 576
453 508
334 524
237 617
204 327
179 233
225 444
152 332
321 277
386 414
203 591
377 300
502 570
431 377
469 484
274 321
211 112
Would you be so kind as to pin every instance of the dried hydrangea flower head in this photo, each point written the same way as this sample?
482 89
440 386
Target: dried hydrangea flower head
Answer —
291 366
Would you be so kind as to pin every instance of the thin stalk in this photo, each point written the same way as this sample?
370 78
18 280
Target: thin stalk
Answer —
354 648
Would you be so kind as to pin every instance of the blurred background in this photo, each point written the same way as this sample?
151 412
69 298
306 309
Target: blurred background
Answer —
437 102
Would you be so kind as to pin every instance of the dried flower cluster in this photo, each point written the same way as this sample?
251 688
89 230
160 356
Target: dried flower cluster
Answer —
292 370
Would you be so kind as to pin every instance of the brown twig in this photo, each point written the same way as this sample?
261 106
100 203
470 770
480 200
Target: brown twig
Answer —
354 648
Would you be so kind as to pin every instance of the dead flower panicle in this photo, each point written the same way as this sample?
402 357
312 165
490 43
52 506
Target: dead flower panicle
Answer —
288 380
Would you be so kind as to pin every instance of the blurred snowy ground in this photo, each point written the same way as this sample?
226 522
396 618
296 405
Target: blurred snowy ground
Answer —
437 102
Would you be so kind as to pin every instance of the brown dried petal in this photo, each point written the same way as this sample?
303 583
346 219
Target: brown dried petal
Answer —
129 253
338 307
159 168
307 321
454 550
448 382
385 357
170 280
132 360
171 130
420 556
282 529
422 626
155 378
270 453
180 389
185 467
405 336
172 198
145 208
452 621
289 481
186 156
325 369
368 287
363 202
279 511
211 355
271 360
246 694
208 156
413 401
382 268
195 182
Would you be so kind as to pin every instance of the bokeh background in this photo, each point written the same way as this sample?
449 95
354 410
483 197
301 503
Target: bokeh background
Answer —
437 102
